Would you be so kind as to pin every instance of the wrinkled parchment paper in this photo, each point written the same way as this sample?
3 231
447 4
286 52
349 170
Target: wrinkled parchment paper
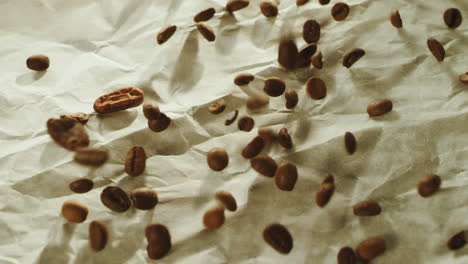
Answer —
96 46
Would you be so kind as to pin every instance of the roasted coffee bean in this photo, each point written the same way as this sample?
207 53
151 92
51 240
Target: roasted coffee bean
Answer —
98 235
291 98
206 31
346 256
436 49
82 185
464 78
245 123
367 208
268 135
317 60
204 15
301 2
243 79
118 100
274 87
453 18
278 237
231 120
379 107
371 248
328 179
144 198
217 107
165 34
324 2
352 56
74 211
311 31
316 88
214 218
235 5
217 159
160 124
91 156
135 161
38 62
340 11
457 241
253 148
286 176
78 117
257 102
269 9
350 142
227 200
395 19
159 241
287 54
304 56
284 139
115 199
264 165
429 185
324 193
68 133
151 112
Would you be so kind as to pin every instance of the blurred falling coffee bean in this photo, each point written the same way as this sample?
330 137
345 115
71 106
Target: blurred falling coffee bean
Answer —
304 56
286 176
464 78
325 191
274 87
217 107
144 198
231 120
159 241
115 199
436 48
278 237
316 88
94 157
346 255
268 8
82 185
150 111
253 148
317 60
429 185
78 117
352 56
395 19
38 62
236 5
68 133
301 2
367 208
243 79
159 124
245 123
74 211
257 102
165 34
453 17
217 159
457 241
98 235
227 200
379 107
324 2
204 15
287 54
214 218
311 31
264 165
206 31
371 248
135 161
269 136
284 139
350 142
340 11
291 98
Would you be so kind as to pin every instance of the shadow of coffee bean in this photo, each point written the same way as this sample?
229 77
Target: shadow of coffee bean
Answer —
118 120
29 78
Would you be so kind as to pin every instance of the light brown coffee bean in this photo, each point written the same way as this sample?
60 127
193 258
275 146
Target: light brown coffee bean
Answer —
74 211
119 100
429 185
165 34
340 11
317 60
98 235
68 133
256 103
214 218
367 208
160 124
227 200
82 185
316 88
304 56
144 198
269 9
464 78
286 176
287 54
278 237
395 19
204 15
78 117
311 31
379 107
352 56
206 31
264 165
284 139
38 62
324 194
457 241
151 112
217 159
371 248
291 98
346 256
253 148
350 142
135 161
274 87
436 49
301 2
91 156
236 5
268 135
231 120
243 79
245 123
453 17
217 107
115 199
324 2
159 241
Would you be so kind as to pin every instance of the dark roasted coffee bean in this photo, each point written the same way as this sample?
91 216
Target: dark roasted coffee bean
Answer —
206 31
304 56
436 49
264 165
78 117
253 148
82 185
464 78
324 194
268 135
367 208
217 159
274 87
350 142
395 19
257 102
278 237
291 98
301 2
38 62
144 198
286 176
243 79
379 107
98 235
231 120
115 199
165 34
214 218
151 112
371 248
91 156
346 256
245 123
317 60
340 11
284 139
429 185
453 18
311 31
352 56
269 9
160 124
68 133
135 161
217 107
159 241
324 2
74 211
204 15
457 241
287 54
235 5
316 88
227 200
119 100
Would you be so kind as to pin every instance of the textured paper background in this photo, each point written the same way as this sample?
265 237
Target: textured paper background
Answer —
97 46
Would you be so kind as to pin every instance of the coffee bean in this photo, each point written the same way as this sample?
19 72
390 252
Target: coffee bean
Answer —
82 185
291 98
324 2
284 139
144 198
274 87
68 133
206 31
115 199
350 142
367 208
457 241
301 2
227 200
38 63
243 79
436 49
119 100
453 17
278 237
159 124
235 5
325 191
98 235
74 211
429 185
340 11
346 256
231 120
264 165
78 117
328 179
217 107
217 159
204 15
304 56
159 241
91 156
395 19
316 88
287 53
269 9
257 102
245 123
268 135
352 56
371 248
253 148
151 112
317 60
464 78
286 176
165 34
135 161
379 107
214 218
311 31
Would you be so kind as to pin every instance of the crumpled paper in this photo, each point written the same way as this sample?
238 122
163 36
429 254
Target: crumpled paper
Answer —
98 46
